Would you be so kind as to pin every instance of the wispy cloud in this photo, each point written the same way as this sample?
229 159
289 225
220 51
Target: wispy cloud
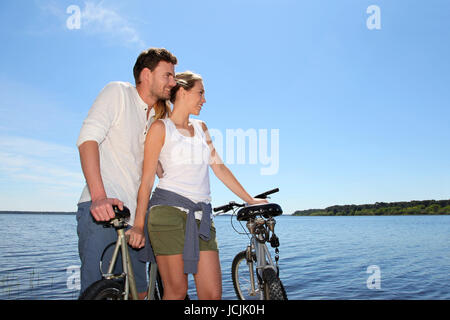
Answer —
105 21
98 20
39 163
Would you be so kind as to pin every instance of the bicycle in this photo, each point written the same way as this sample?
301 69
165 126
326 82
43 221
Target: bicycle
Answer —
122 286
260 223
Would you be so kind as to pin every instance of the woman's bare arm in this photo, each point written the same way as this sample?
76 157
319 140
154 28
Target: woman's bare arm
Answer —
153 145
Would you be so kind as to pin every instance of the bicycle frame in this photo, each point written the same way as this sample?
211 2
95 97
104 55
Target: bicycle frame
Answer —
263 259
261 227
128 273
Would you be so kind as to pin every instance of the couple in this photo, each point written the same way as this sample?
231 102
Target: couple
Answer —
129 136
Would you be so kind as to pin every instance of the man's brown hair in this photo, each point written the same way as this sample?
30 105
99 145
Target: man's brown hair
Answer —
150 59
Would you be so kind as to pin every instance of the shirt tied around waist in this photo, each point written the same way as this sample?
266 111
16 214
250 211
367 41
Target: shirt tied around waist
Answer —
191 249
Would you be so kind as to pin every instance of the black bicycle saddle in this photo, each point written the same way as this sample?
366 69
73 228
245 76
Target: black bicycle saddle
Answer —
267 210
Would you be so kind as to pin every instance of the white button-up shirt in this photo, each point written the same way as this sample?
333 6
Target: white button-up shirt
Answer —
118 122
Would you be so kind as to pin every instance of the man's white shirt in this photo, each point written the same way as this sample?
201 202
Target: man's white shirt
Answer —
118 122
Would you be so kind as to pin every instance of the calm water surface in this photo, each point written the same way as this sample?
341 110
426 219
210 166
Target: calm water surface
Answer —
320 257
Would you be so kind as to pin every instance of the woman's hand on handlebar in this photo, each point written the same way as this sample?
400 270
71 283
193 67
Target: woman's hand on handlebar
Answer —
257 201
135 237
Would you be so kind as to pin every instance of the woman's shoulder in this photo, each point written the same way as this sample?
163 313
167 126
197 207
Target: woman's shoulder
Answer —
200 123
156 132
158 125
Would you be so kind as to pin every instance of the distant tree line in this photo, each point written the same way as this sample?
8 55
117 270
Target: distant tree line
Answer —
424 207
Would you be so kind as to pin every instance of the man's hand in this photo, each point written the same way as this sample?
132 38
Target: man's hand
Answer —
102 210
135 237
257 201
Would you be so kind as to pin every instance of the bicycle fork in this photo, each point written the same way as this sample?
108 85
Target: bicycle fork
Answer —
263 259
249 257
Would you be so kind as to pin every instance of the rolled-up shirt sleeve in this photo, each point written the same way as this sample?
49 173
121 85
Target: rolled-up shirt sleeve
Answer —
102 115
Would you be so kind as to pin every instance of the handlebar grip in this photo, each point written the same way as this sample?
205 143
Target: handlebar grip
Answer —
124 214
265 194
224 208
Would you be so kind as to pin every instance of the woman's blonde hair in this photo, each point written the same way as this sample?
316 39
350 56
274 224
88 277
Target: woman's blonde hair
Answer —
186 80
162 109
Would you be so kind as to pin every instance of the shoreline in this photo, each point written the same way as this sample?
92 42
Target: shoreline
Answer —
38 212
285 214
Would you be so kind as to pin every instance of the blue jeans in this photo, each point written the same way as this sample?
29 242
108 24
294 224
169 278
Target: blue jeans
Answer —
93 238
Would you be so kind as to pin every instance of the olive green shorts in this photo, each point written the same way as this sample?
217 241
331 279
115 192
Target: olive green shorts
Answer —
166 228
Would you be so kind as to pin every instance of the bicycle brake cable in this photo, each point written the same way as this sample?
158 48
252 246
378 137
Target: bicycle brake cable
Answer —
232 225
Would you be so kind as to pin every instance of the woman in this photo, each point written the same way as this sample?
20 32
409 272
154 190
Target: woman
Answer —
179 223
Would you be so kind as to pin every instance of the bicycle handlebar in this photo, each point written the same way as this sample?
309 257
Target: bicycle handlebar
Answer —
121 214
265 194
225 208
228 207
232 204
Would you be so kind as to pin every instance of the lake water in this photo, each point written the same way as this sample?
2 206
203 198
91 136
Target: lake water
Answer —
362 257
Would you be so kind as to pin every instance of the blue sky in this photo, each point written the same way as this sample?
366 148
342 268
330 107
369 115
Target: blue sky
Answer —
362 114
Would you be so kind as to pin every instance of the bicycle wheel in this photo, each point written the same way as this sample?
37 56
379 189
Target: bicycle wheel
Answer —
240 273
273 288
104 289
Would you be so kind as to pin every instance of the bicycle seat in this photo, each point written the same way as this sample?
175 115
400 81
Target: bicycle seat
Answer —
121 214
267 210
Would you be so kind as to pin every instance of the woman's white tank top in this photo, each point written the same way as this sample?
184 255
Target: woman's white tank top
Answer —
185 162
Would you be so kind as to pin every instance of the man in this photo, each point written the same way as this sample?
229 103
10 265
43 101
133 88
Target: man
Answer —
111 147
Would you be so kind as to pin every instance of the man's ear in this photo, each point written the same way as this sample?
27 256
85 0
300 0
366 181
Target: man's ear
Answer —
145 75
